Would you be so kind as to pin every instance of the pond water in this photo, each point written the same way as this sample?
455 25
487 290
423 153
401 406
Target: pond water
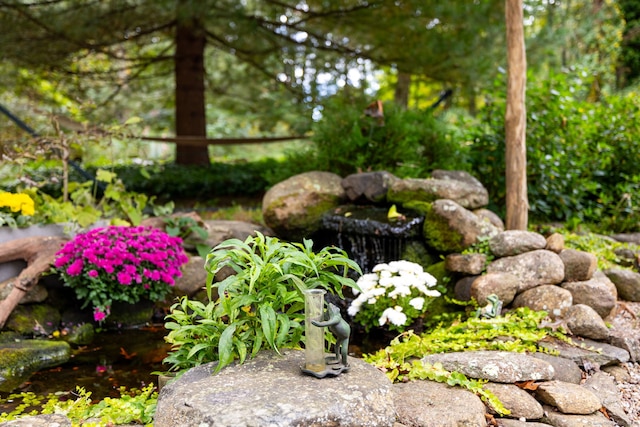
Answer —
115 358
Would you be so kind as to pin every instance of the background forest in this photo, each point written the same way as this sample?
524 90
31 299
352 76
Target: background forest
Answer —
93 79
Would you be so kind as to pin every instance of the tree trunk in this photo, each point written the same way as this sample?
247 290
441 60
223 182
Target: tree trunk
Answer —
515 120
39 253
403 86
190 97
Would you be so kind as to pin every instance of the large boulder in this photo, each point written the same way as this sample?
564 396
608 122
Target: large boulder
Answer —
466 193
516 242
221 230
271 390
449 227
535 268
293 208
429 403
368 186
627 283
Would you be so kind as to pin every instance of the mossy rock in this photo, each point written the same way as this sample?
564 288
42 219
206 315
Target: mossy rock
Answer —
19 359
293 208
80 334
34 319
415 251
124 315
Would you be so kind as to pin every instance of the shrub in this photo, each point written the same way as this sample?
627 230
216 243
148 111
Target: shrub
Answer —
410 143
580 154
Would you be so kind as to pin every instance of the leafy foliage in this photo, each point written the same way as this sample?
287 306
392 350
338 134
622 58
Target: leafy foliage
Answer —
604 248
518 330
565 133
86 204
259 306
133 406
409 143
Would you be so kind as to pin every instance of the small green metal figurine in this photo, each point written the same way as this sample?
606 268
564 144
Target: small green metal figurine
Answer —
340 329
492 309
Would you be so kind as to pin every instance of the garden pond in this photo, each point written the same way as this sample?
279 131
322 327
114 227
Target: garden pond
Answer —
123 358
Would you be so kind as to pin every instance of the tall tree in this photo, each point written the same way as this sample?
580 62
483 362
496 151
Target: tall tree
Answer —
282 45
515 120
190 92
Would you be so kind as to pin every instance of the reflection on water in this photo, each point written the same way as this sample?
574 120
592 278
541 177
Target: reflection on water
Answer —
115 359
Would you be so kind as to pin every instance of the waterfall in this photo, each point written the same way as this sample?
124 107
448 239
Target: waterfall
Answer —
367 235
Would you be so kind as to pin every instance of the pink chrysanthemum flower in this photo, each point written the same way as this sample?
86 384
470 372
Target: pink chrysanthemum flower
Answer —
118 263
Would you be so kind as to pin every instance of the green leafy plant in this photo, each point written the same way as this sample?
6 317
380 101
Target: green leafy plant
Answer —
189 230
566 131
85 205
260 305
519 330
520 327
407 143
133 406
393 295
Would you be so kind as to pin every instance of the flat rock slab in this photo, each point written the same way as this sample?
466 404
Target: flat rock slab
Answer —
495 366
587 351
433 404
270 390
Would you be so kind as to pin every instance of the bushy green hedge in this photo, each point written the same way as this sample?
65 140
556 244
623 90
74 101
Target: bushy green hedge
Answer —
171 181
174 182
582 156
410 143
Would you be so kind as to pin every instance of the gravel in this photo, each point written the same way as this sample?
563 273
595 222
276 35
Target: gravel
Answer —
630 393
627 318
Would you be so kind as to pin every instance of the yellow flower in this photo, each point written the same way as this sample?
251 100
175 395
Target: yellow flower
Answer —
17 202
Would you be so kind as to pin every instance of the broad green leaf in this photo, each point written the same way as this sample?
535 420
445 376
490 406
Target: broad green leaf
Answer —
196 348
225 347
105 176
268 320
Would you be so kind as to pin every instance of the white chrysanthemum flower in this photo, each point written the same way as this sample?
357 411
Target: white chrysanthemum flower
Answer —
372 301
421 288
432 293
428 279
366 282
384 274
353 308
400 290
380 267
377 292
393 315
417 303
387 282
408 267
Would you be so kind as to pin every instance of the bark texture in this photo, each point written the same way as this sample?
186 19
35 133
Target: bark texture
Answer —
515 120
39 253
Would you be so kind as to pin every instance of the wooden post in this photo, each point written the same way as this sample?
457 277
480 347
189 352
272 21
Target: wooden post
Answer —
515 119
